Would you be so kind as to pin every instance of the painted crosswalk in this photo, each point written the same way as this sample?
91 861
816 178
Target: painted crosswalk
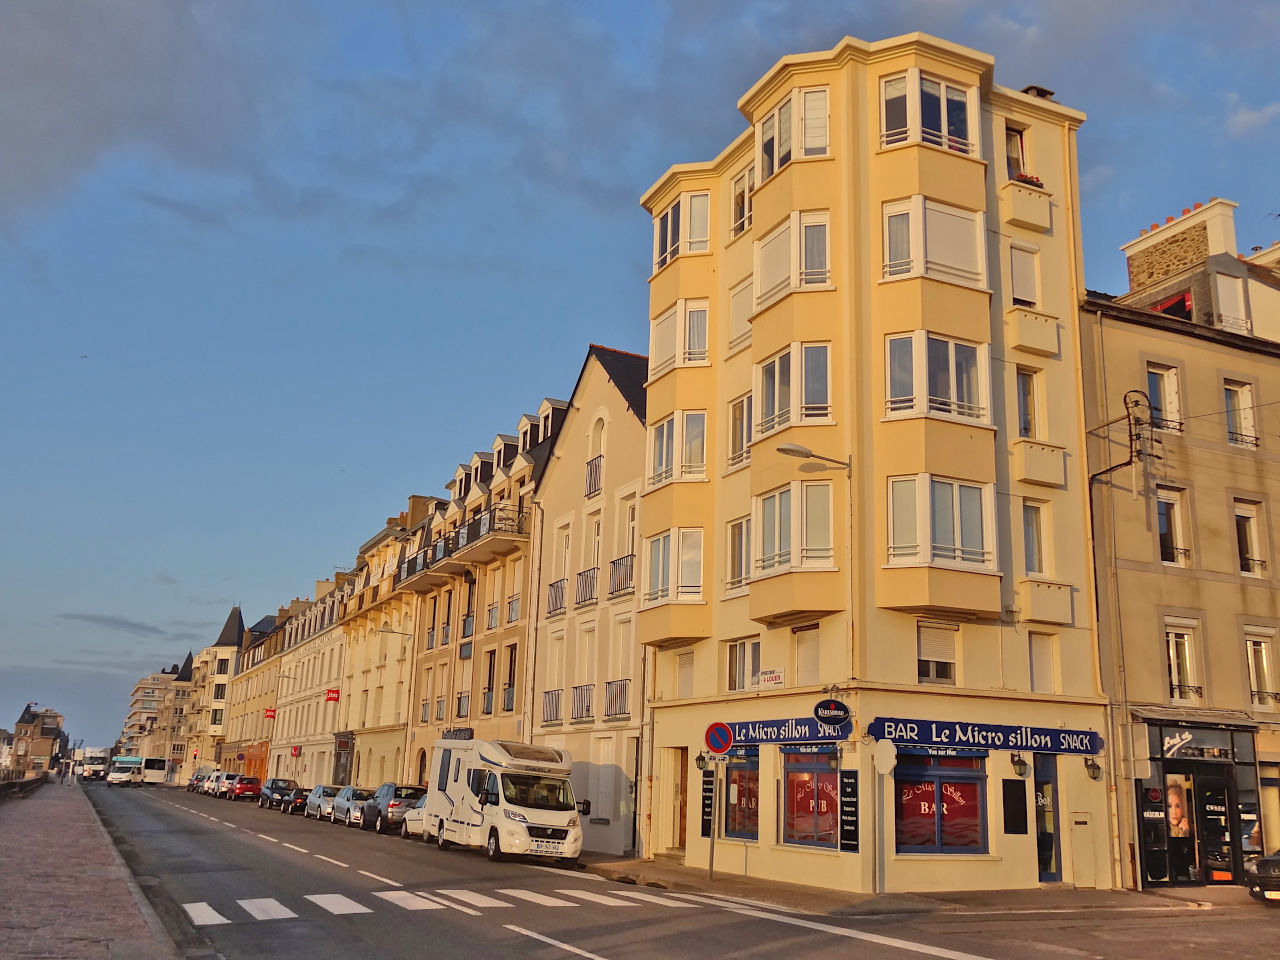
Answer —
472 902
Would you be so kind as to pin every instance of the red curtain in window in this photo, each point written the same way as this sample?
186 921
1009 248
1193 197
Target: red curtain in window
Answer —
917 824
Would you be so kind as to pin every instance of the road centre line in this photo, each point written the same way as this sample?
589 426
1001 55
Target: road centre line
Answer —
338 863
292 847
908 945
265 837
390 883
555 943
446 903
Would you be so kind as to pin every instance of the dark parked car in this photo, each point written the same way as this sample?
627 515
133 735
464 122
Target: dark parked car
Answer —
385 809
195 783
1262 874
294 801
274 790
245 788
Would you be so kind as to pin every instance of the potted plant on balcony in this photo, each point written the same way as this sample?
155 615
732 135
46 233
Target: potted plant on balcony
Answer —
1029 180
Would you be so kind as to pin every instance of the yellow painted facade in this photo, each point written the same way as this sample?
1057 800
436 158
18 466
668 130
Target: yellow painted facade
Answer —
862 279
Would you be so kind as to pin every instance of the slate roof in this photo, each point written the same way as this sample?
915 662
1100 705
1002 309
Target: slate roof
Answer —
628 371
232 631
184 673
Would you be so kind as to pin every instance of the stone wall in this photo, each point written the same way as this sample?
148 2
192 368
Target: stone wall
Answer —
1180 251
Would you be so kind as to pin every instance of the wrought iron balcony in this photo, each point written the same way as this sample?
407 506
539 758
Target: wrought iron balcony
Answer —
486 703
1186 691
1253 565
426 711
555 596
1264 697
1241 439
617 698
586 592
582 696
622 575
494 533
468 626
551 706
508 697
464 705
595 468
431 638
513 608
440 709
492 622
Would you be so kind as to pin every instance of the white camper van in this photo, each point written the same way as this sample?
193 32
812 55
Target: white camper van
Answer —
510 798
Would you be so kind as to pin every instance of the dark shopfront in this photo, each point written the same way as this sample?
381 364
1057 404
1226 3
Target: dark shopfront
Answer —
1198 810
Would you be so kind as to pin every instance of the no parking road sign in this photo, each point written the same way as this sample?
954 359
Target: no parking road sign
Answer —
719 737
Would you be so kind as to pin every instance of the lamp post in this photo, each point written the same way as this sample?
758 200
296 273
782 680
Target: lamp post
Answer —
804 453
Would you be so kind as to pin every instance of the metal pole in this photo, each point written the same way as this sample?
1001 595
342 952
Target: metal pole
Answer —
715 818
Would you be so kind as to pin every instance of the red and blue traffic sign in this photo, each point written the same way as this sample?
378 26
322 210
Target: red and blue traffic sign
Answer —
719 738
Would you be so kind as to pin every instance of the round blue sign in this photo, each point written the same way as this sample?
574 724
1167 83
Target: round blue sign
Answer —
831 712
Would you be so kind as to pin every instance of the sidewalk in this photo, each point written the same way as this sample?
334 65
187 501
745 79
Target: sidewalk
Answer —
671 875
64 891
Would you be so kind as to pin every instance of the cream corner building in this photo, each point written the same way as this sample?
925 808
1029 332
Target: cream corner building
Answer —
882 270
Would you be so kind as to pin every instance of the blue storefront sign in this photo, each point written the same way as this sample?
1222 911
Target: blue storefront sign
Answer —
984 736
789 730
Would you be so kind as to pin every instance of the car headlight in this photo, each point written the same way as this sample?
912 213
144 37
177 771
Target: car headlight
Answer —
1251 865
515 815
574 821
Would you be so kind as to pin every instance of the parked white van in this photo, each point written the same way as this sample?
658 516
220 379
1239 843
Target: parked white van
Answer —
510 798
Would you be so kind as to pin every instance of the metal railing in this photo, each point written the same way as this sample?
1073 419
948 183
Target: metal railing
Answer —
622 575
500 519
595 470
431 638
1185 691
586 591
440 709
426 711
493 616
1252 565
617 698
555 596
1165 423
1262 697
1242 439
464 705
508 697
551 705
486 702
468 626
582 697
513 608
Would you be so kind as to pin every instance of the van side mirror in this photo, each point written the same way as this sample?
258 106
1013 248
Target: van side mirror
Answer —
584 807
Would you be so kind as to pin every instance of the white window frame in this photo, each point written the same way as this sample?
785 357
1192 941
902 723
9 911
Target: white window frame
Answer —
686 350
1238 404
913 133
800 274
744 185
671 240
662 451
800 124
738 556
740 431
740 654
1042 654
1026 390
668 460
1253 563
924 262
798 540
916 516
657 567
937 643
920 403
801 407
1169 402
1176 513
1180 638
1035 554
1024 275
1260 644
675 575
819 145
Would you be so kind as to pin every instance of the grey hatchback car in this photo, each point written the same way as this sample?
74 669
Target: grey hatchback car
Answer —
348 806
320 801
385 809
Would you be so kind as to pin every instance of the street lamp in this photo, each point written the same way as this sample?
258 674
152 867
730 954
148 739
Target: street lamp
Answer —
804 453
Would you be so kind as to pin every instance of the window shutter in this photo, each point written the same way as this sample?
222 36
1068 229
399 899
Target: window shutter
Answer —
815 123
699 221
775 263
1041 649
740 310
664 343
807 657
936 642
684 676
1023 272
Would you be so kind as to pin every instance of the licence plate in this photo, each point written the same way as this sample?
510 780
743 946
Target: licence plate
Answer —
553 847
1272 894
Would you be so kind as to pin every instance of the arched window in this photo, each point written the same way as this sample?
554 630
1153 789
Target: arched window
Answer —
422 766
597 437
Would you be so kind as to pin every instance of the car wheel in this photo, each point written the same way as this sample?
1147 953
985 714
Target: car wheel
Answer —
493 849
404 830
380 825
441 842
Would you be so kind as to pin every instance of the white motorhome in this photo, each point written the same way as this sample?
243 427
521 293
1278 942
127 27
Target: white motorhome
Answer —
510 798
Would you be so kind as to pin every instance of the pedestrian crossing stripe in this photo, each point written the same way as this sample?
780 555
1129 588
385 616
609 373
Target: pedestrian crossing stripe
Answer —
471 902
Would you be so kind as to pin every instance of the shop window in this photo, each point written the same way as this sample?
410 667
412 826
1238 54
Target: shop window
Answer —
940 804
811 796
742 794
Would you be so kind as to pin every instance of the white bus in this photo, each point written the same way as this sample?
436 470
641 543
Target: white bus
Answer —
154 769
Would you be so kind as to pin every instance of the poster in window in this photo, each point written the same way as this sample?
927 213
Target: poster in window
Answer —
1177 793
917 823
742 801
813 804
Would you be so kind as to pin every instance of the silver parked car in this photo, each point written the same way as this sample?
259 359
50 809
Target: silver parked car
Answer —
348 806
320 801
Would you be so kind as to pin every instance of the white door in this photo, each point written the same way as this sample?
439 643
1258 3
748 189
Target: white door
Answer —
1083 869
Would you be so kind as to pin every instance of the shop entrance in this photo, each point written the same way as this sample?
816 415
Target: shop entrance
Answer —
1048 846
1212 805
681 798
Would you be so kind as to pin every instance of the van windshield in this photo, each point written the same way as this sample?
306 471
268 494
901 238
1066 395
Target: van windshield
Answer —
538 793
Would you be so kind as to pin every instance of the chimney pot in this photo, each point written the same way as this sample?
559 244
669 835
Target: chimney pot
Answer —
1155 226
1168 219
1142 232
1185 211
1198 205
1213 199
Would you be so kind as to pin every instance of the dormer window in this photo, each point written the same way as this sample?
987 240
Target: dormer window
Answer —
546 425
1179 306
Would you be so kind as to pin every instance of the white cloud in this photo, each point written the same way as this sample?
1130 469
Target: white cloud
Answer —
1243 119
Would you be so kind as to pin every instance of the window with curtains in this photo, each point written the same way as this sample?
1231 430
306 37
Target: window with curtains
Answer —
1024 276
918 108
780 527
678 447
739 558
1033 536
1027 387
940 804
796 127
684 227
924 238
744 664
811 795
780 393
928 375
739 431
794 256
939 520
674 556
678 338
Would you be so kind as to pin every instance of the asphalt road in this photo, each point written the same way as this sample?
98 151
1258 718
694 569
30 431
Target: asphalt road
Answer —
240 882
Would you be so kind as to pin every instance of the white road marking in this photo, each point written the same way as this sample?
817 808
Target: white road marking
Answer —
447 903
267 909
653 898
331 860
473 898
202 915
554 943
265 837
337 903
924 948
562 871
715 901
292 847
403 898
598 898
539 898
390 883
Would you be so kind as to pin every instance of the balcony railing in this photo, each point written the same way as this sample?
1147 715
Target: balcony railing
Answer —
444 635
586 592
508 697
426 711
431 638
493 617
1170 554
501 519
594 470
1233 324
555 596
513 608
486 702
1264 697
617 698
582 695
1241 439
551 706
1186 691
1165 423
464 705
468 626
1253 565
622 575
440 709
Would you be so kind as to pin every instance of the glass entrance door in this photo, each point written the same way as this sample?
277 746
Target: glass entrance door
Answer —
1213 811
1048 845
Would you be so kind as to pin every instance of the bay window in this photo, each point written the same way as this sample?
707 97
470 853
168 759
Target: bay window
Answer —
684 227
917 108
742 304
779 393
795 255
780 526
739 557
662 446
740 431
679 337
658 587
930 375
924 238
685 431
937 520
940 804
683 566
798 125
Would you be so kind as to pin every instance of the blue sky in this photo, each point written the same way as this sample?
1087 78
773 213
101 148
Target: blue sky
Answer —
268 269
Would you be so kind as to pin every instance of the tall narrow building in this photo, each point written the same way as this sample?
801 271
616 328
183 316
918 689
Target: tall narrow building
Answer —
865 484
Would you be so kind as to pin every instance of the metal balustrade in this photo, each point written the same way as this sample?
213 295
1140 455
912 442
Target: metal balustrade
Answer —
582 697
551 705
586 592
617 698
595 470
622 575
555 596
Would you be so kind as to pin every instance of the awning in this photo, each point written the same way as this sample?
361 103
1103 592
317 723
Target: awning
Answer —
1232 719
